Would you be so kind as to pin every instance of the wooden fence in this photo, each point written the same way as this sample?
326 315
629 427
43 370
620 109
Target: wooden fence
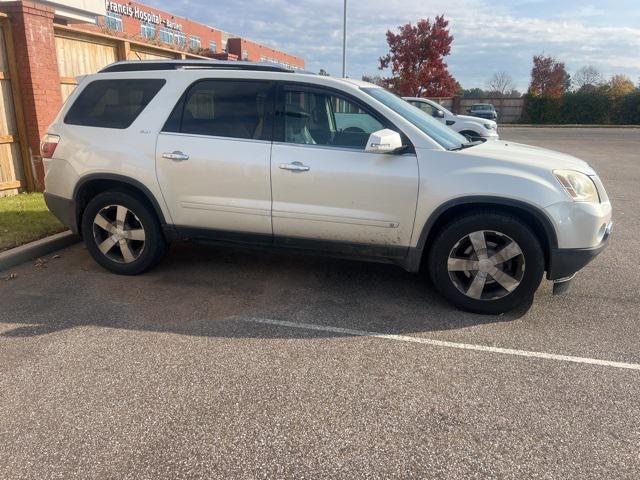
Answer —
82 52
15 162
509 109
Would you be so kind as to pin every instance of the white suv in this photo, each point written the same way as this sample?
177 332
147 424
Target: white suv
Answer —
473 127
144 153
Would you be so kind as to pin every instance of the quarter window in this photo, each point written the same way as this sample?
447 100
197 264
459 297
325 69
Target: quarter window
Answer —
112 103
225 108
312 118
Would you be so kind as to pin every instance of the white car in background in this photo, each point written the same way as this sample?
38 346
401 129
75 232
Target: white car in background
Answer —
472 127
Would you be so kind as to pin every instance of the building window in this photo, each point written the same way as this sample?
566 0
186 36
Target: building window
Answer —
213 46
245 55
194 42
113 21
180 39
148 30
166 35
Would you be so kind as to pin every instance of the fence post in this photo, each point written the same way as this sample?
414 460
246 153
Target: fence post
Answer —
17 104
124 47
455 104
38 75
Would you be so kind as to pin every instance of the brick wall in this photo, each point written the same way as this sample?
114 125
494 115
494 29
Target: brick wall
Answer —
131 28
255 52
35 52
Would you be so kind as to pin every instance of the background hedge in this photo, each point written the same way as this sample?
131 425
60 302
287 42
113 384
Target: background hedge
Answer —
596 106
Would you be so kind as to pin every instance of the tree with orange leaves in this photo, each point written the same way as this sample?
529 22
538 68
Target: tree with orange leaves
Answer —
416 58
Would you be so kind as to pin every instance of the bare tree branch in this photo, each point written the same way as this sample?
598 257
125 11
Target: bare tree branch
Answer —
500 83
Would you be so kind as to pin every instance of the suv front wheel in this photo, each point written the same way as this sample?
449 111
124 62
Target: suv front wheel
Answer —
122 233
488 262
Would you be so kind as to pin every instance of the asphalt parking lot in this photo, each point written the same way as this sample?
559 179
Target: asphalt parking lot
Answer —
225 363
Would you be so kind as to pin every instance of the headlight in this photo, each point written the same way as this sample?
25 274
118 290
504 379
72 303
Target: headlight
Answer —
579 186
489 126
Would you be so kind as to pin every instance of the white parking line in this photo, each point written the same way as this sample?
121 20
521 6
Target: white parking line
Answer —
441 343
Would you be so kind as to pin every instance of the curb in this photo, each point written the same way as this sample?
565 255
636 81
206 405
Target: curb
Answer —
39 248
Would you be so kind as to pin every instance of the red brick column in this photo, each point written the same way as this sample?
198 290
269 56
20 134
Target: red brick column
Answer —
35 51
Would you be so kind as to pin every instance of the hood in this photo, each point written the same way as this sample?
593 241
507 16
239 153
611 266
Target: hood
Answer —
528 155
469 118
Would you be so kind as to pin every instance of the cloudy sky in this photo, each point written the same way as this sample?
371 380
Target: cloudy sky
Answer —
489 36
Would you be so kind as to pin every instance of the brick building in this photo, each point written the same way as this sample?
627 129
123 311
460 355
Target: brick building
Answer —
148 24
45 45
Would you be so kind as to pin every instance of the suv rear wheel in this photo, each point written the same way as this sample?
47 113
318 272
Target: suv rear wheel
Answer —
487 263
122 233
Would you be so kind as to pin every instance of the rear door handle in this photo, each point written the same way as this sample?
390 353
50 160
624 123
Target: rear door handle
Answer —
176 156
294 167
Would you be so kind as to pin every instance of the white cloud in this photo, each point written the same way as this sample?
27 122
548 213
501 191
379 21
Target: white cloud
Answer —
488 36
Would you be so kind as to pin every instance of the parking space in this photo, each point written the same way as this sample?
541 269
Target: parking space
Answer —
227 363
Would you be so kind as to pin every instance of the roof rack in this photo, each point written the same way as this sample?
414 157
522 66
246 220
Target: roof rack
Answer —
144 65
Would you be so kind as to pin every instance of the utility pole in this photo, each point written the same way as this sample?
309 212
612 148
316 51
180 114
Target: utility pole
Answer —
344 41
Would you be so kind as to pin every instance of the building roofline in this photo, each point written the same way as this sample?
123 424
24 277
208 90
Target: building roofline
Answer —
145 65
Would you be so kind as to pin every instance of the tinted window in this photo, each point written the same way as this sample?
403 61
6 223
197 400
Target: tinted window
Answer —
112 103
225 108
313 118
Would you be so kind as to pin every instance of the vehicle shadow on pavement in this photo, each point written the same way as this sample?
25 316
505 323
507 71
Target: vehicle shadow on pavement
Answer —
208 291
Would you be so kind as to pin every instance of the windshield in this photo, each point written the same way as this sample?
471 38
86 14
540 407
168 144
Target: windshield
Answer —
425 122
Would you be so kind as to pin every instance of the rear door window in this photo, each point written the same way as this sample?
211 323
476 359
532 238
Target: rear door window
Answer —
225 108
112 103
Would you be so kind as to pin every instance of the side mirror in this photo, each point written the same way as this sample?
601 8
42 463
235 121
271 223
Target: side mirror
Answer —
383 141
439 114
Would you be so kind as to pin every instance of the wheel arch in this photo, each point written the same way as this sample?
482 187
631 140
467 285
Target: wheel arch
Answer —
91 185
533 216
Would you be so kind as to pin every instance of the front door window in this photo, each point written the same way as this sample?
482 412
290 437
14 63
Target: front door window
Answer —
323 119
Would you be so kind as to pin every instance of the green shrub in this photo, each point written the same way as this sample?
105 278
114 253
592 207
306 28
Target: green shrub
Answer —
542 109
627 110
587 107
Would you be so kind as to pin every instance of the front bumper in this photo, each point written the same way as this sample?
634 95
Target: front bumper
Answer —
64 209
565 262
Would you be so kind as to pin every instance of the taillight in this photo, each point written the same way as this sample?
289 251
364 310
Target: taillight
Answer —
48 145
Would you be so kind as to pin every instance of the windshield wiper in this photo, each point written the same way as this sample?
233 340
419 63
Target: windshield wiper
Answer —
462 146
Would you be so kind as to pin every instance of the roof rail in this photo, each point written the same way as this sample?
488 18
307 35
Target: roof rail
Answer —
144 65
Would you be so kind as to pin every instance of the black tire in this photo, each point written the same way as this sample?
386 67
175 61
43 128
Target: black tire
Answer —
141 255
498 230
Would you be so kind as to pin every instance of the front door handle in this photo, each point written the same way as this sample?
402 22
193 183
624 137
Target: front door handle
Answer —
294 167
176 156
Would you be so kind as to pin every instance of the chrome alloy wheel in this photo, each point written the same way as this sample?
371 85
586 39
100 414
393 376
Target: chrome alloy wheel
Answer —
486 265
119 234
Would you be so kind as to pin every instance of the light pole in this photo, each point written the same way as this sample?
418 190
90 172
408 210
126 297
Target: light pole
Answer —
344 41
